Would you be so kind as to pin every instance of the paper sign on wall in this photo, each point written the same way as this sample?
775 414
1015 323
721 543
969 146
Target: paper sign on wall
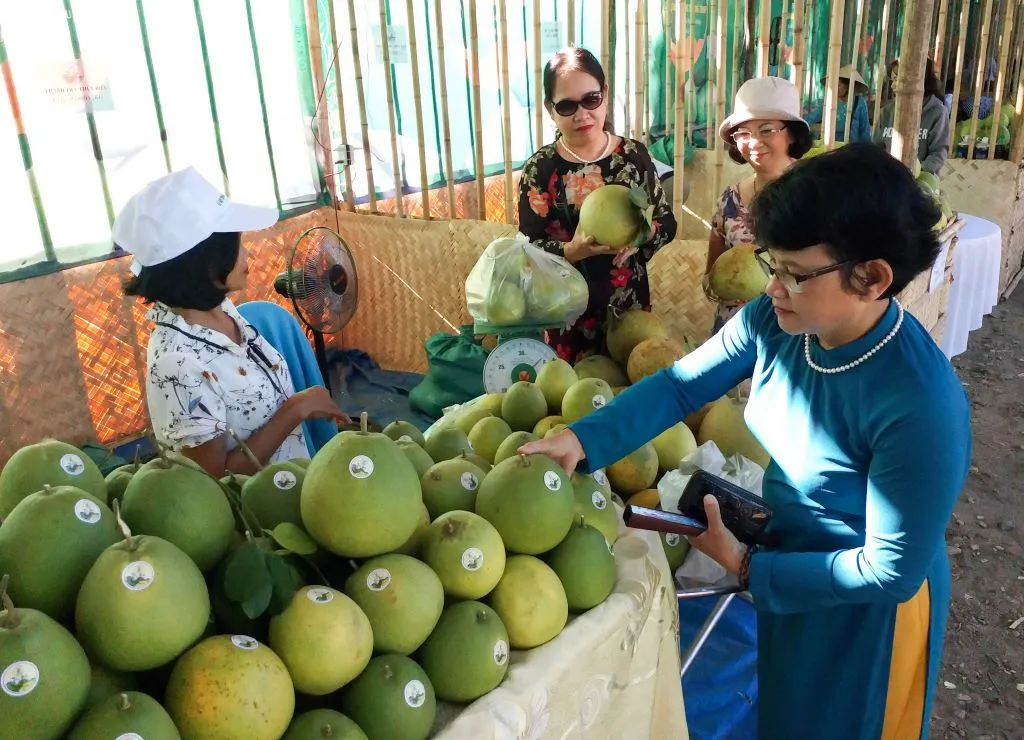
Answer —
550 37
398 44
938 269
68 86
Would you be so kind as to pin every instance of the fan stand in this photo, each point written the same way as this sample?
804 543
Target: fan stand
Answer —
321 358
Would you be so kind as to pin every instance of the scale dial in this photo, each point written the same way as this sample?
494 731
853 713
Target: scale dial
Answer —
514 360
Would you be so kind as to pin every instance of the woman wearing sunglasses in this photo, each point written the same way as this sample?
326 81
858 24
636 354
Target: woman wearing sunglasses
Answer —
765 131
584 156
868 429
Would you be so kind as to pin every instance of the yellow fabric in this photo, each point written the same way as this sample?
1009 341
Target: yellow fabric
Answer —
908 669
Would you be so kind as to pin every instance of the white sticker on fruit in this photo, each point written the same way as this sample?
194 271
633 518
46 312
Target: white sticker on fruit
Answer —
244 642
361 467
552 481
598 500
19 678
138 575
378 579
598 401
672 539
472 559
415 694
405 438
320 595
285 480
470 482
72 464
501 652
129 736
601 478
87 511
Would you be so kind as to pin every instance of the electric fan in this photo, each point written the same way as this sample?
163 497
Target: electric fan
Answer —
321 281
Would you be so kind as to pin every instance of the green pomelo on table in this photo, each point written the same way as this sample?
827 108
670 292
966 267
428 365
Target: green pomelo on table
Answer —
594 505
487 435
635 472
107 682
274 494
736 275
44 674
414 545
392 699
361 496
49 542
529 500
50 463
418 456
652 355
141 605
604 368
323 724
555 430
302 462
530 601
505 304
451 485
468 418
467 654
585 396
629 329
676 547
126 715
401 596
554 379
546 424
523 406
466 552
117 481
229 687
475 459
323 638
510 447
673 445
610 216
584 563
403 430
446 443
180 503
725 426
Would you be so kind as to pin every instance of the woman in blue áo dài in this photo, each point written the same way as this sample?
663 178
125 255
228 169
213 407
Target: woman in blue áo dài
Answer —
869 432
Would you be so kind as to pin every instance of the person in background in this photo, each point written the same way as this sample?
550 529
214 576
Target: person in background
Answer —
860 127
868 429
765 130
933 138
210 373
585 156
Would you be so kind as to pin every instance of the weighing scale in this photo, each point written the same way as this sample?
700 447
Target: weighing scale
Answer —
519 354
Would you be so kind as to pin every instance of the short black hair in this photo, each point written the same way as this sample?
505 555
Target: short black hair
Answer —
801 144
194 280
857 201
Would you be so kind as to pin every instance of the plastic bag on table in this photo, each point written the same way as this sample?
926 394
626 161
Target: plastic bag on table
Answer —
515 283
699 568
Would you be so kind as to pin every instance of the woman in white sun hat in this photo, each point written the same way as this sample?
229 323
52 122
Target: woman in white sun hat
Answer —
767 132
209 370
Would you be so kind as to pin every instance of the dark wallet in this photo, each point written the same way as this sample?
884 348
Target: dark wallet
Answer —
743 513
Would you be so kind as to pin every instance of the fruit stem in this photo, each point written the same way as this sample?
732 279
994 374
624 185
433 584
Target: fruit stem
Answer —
364 422
125 531
138 455
245 450
125 703
160 449
8 619
326 731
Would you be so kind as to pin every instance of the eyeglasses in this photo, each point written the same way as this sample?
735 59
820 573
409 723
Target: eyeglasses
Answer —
590 101
763 135
793 282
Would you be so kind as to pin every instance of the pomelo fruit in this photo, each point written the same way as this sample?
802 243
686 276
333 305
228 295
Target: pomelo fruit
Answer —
505 304
599 366
323 724
555 430
546 424
523 406
629 329
414 544
736 275
649 498
274 494
468 418
636 471
48 463
487 435
302 462
510 447
467 654
584 563
179 503
107 682
117 481
530 601
594 505
392 699
554 379
49 542
141 605
404 431
451 485
418 456
466 552
585 396
694 419
508 258
402 598
610 216
44 674
652 355
444 444
676 547
361 496
673 445
554 295
474 458
126 715
230 686
529 500
323 638
724 424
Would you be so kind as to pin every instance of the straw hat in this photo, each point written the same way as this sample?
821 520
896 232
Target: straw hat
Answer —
769 98
849 73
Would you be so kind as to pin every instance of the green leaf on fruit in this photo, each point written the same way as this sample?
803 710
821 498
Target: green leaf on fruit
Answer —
258 602
285 579
638 196
246 574
292 538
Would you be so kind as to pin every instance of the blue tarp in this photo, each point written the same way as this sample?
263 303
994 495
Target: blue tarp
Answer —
361 385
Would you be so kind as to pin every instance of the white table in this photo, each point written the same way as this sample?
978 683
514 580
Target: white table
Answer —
975 290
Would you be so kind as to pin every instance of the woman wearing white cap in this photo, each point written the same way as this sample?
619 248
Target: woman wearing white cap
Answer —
209 370
766 131
860 127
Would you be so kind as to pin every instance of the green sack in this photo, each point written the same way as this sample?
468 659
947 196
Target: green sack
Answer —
455 372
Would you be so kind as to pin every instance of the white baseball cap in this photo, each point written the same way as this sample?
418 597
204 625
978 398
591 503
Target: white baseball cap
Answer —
175 213
763 98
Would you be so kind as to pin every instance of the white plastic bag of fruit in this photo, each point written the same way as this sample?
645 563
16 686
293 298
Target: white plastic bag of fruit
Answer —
515 283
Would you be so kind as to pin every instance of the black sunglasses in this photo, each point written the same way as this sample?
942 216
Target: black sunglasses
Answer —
590 101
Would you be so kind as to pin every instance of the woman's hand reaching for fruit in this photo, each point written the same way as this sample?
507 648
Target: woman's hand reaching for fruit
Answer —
564 448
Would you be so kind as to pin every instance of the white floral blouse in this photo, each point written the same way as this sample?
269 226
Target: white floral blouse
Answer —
200 383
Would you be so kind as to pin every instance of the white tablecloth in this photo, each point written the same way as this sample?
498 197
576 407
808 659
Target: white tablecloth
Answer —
975 289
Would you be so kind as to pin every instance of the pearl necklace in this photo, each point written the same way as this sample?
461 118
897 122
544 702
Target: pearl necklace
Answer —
604 152
850 365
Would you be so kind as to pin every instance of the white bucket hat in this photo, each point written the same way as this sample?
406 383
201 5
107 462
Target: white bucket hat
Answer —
175 213
771 98
860 87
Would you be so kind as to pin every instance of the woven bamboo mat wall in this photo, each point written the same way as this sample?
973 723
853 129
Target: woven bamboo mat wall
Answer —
676 296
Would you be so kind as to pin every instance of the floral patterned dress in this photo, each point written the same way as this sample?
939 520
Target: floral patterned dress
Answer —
551 192
731 222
